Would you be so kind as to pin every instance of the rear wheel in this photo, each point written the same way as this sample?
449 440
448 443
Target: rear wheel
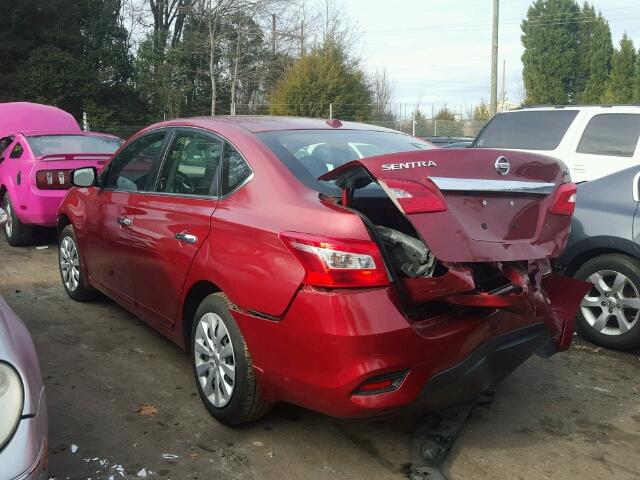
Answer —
16 232
222 365
610 312
70 264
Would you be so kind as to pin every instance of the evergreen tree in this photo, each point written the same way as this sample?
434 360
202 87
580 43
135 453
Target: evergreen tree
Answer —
620 86
550 39
320 78
594 52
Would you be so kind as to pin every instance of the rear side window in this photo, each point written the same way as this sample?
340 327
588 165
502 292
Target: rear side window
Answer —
530 130
4 143
235 170
614 134
17 151
191 165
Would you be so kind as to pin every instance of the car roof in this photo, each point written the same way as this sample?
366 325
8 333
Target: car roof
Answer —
615 108
259 123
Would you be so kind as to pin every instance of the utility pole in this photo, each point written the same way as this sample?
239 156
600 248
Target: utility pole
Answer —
494 58
273 34
504 88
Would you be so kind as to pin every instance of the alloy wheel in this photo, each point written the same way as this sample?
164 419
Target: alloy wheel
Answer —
612 306
214 360
69 263
8 227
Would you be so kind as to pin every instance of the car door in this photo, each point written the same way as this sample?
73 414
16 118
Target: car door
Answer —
608 144
110 213
173 222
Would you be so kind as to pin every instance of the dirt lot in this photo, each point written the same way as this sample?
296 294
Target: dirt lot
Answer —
574 416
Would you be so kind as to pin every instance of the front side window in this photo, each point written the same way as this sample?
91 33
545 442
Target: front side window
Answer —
42 145
235 170
191 165
526 130
132 169
613 134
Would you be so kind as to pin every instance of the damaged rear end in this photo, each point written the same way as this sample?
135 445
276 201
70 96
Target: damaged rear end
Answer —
469 228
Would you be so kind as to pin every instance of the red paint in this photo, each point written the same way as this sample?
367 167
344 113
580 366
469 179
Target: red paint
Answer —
321 344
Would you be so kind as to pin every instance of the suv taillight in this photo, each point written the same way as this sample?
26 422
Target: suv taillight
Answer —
564 200
337 262
53 179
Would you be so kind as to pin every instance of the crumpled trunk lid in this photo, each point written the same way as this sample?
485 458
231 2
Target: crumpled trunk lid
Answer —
492 232
497 203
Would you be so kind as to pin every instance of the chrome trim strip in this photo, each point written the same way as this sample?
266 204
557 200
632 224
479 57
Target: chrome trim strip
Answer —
484 185
636 188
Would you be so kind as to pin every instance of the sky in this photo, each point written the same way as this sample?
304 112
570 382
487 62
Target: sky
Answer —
440 52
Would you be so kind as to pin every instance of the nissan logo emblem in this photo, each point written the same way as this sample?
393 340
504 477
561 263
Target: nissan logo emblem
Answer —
502 166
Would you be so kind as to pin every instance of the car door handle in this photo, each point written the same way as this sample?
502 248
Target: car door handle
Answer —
186 237
125 222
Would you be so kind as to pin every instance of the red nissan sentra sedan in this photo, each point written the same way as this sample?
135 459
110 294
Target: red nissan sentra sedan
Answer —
342 267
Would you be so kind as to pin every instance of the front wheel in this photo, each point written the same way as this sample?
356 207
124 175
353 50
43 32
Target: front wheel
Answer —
17 233
610 312
70 264
222 365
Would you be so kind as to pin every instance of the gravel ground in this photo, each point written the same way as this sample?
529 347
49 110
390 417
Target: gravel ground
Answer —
574 416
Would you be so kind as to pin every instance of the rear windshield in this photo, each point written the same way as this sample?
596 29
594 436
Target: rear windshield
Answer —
311 153
530 130
53 144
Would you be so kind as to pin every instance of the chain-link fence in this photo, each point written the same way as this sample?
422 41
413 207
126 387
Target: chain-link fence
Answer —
401 119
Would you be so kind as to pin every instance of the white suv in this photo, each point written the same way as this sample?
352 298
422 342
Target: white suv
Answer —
592 141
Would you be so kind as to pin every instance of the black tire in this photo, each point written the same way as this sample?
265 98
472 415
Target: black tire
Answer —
245 403
17 233
82 292
630 268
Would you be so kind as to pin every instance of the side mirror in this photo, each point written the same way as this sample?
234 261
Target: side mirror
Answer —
84 177
4 218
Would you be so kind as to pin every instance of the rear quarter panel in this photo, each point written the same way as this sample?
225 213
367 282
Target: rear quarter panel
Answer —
603 220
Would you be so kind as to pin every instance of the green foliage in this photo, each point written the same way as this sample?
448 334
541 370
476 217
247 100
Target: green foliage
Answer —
550 59
320 78
620 87
445 114
67 53
594 50
482 112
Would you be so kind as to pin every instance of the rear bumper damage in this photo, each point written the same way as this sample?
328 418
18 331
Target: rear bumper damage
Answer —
331 342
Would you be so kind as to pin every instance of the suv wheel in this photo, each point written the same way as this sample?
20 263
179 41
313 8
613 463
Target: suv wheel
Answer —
70 264
222 365
610 312
16 232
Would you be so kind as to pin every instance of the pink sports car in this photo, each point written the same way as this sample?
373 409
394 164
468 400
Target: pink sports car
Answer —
39 146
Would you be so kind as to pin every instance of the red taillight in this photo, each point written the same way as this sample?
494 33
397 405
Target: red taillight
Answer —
337 262
416 197
564 200
53 179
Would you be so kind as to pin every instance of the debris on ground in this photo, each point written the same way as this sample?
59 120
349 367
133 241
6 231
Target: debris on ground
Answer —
142 473
194 456
146 410
42 247
436 434
170 456
74 448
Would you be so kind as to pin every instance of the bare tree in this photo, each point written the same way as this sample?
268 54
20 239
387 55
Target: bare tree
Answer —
382 92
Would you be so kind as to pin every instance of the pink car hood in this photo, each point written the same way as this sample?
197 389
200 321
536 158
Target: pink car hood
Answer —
21 116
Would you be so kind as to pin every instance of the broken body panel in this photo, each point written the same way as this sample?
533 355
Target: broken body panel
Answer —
488 222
